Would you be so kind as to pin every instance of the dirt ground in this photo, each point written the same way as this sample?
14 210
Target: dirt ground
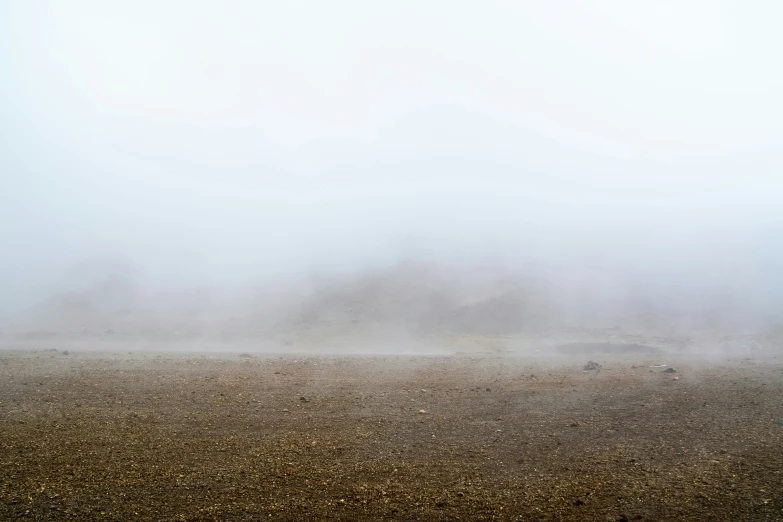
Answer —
141 436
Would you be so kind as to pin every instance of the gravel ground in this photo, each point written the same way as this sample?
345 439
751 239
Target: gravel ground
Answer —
118 436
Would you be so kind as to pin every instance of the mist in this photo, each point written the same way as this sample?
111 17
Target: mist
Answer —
246 169
405 260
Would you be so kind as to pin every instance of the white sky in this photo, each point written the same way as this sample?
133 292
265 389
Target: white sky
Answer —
651 78
185 130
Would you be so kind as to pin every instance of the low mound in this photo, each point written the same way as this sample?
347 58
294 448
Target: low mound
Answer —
606 348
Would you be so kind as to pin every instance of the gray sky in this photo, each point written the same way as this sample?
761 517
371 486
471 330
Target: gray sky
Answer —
230 139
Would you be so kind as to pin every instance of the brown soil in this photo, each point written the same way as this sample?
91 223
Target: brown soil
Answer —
91 436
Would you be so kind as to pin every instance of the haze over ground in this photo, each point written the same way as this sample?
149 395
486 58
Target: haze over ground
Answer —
215 153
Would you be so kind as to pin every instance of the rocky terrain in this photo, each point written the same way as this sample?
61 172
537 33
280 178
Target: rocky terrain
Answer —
590 435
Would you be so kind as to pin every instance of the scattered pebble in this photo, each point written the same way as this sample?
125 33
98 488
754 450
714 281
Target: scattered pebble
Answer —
211 432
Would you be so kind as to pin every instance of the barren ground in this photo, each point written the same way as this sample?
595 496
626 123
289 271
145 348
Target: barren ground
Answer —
119 436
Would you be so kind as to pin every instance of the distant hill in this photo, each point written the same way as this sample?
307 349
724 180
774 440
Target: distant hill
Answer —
419 299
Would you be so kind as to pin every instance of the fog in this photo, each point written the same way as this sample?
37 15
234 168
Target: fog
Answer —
246 168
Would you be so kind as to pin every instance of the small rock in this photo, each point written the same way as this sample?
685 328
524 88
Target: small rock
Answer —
670 370
303 399
285 410
592 365
574 424
422 411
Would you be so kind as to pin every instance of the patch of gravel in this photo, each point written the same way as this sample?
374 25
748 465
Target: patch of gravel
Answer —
175 437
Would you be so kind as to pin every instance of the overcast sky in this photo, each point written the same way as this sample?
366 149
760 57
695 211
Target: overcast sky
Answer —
227 139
